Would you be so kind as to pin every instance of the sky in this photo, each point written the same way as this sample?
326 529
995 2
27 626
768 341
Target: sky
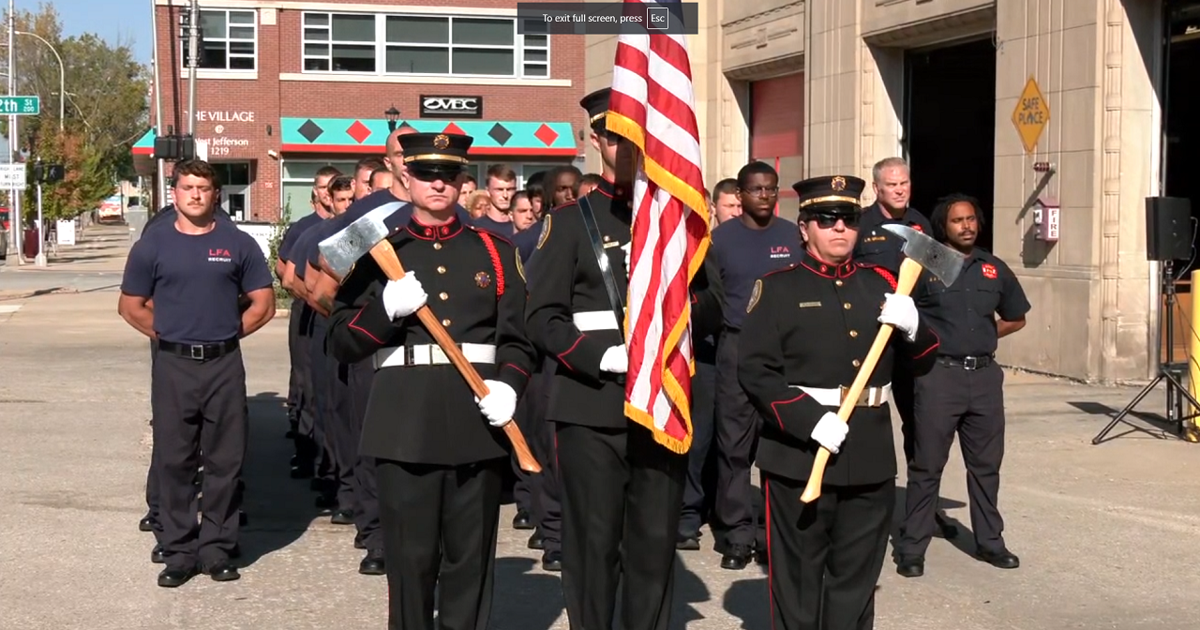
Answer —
113 20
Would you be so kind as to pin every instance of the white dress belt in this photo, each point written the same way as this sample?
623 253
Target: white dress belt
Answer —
432 354
833 396
595 320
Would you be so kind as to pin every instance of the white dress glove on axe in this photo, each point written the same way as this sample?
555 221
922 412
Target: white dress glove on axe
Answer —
901 312
615 360
830 432
403 297
627 248
499 405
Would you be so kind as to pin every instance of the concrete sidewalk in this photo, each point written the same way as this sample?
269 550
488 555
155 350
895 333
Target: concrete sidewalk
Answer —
1102 531
95 262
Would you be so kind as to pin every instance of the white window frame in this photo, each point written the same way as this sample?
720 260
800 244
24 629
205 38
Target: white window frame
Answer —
519 47
253 24
284 180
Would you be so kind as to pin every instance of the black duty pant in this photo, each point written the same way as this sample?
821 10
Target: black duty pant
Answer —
152 507
306 419
324 374
950 400
439 530
294 398
542 490
199 415
825 558
697 494
618 481
342 432
736 432
366 493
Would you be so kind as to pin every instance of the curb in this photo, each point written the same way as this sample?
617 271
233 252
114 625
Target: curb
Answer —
24 295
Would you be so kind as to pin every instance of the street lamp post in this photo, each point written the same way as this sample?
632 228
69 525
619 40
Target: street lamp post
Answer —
393 115
62 76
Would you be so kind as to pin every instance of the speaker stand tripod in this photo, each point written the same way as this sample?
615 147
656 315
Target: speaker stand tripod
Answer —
1177 392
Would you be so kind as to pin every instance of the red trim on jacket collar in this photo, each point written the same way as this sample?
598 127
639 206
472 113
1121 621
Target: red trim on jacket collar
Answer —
435 232
828 270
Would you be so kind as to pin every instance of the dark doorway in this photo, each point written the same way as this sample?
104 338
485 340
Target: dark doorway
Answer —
1182 141
950 130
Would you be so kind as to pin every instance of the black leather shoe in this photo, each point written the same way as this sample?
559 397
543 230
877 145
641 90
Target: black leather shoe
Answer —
1003 559
223 572
536 542
172 578
156 555
552 561
522 520
373 563
147 524
235 552
911 566
736 557
687 543
342 517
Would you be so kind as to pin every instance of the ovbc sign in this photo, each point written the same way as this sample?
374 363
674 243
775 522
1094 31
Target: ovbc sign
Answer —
451 106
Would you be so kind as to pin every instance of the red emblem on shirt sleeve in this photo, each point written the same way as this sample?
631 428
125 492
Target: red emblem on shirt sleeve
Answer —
989 271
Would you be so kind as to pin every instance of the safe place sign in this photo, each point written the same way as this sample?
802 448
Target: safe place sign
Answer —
1031 115
20 105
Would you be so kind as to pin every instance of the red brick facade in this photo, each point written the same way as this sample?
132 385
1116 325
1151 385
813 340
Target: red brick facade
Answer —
248 110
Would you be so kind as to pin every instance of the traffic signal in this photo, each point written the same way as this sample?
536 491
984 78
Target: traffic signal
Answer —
48 173
175 147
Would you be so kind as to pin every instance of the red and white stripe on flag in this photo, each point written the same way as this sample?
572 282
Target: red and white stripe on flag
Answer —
653 105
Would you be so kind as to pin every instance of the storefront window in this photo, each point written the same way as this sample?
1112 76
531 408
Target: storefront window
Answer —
296 191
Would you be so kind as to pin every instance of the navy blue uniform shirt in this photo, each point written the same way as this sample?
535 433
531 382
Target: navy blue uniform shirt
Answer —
503 229
195 280
293 233
877 246
964 314
744 254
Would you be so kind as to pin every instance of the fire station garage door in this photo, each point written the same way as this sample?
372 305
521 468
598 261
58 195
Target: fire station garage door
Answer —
777 127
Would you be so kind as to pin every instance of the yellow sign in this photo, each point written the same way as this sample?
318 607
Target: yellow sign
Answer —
1031 115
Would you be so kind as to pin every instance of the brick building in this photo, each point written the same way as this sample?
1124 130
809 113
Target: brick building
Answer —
287 86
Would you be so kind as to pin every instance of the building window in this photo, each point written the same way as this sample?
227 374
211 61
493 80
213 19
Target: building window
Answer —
424 45
229 40
296 191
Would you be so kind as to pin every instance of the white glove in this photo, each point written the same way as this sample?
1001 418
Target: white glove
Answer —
615 360
901 312
499 405
403 297
627 248
830 432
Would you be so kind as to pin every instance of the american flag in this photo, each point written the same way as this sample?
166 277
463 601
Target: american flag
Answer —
653 105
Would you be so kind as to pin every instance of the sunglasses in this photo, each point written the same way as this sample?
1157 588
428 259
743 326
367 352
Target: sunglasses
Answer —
826 220
448 174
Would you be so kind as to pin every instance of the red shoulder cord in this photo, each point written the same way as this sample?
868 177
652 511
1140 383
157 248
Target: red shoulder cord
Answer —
887 275
496 266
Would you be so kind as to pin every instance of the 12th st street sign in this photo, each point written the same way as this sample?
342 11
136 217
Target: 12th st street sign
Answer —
20 105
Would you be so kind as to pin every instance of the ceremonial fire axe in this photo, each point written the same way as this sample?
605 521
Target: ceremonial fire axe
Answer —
921 253
369 234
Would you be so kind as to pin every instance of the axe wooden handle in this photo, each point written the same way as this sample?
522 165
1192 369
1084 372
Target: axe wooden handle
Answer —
385 256
910 271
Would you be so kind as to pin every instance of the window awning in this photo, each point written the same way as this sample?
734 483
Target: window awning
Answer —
356 135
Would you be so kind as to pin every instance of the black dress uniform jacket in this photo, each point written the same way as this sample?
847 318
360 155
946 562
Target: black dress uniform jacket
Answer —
427 413
812 324
565 279
877 246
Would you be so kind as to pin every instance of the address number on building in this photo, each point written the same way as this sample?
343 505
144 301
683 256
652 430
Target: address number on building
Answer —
451 106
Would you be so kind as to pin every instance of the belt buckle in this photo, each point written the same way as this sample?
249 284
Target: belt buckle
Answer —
197 352
970 363
844 390
437 356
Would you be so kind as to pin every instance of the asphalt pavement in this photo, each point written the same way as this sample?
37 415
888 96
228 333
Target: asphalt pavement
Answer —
1102 531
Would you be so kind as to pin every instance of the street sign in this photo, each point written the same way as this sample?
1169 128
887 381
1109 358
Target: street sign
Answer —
12 176
1031 115
20 105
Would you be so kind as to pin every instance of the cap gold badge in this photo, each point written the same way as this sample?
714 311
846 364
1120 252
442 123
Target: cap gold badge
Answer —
755 295
838 183
441 141
483 280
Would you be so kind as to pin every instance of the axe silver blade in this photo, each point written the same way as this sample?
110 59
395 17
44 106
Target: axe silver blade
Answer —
353 242
942 261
